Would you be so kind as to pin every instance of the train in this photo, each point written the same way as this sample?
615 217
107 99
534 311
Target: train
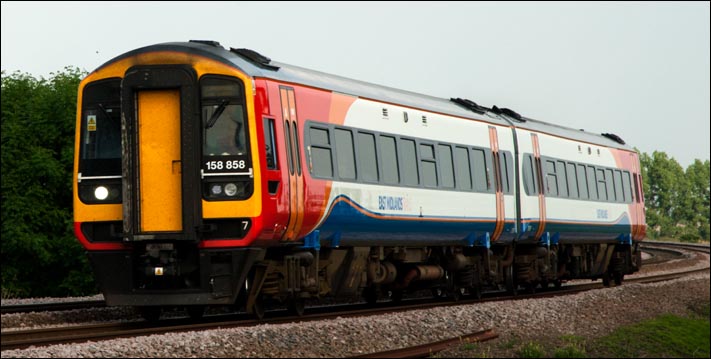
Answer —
206 176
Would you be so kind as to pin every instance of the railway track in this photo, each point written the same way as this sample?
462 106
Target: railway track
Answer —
52 307
25 338
653 248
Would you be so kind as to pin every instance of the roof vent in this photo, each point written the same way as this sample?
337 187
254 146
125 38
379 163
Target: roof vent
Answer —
255 58
207 42
470 105
614 137
508 112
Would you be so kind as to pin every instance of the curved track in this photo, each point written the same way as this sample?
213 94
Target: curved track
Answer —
25 338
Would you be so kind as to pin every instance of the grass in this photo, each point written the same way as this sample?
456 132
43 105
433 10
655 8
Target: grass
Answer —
666 336
574 347
663 336
531 350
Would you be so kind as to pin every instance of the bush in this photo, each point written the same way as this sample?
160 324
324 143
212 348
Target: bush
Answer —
40 255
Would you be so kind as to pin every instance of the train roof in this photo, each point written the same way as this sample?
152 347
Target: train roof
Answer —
259 66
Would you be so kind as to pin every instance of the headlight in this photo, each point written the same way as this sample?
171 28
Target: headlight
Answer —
230 189
101 193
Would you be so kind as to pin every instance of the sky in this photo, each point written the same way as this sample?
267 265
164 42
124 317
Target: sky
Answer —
636 69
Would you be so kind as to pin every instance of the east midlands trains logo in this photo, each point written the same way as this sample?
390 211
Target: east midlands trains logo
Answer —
391 203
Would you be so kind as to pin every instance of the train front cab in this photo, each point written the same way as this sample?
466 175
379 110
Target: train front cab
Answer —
168 218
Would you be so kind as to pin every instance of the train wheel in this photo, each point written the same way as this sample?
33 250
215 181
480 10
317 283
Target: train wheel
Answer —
297 305
151 314
259 309
558 283
511 285
606 279
618 276
196 311
437 293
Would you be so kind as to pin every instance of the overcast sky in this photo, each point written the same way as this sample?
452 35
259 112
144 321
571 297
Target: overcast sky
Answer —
640 70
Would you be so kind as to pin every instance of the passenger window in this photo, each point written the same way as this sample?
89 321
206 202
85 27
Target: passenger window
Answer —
582 182
562 179
572 180
345 155
429 165
601 185
388 154
592 183
367 160
409 163
446 166
321 157
463 174
481 182
626 187
551 179
610 185
619 194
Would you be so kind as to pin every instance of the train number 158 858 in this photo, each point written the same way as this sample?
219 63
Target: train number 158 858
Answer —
226 165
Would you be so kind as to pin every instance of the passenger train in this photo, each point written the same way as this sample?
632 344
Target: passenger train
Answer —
211 176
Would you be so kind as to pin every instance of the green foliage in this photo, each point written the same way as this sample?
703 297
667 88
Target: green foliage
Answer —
40 255
574 348
570 351
662 337
531 350
677 201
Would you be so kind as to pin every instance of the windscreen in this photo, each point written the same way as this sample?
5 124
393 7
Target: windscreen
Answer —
100 146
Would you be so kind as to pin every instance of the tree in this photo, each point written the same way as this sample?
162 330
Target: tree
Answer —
677 201
40 255
698 178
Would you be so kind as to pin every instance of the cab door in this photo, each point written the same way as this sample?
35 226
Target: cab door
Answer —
159 162
160 157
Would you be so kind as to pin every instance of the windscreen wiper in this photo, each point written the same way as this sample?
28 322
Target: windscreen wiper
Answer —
216 114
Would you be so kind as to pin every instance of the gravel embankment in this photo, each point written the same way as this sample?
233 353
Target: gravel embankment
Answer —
591 314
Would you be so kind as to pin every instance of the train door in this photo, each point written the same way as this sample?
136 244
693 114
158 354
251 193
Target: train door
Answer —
292 144
160 157
500 209
537 171
159 172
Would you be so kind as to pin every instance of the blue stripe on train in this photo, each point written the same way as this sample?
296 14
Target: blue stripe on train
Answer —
348 221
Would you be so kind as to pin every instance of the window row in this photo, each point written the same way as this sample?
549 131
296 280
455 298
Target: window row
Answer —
350 154
565 179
